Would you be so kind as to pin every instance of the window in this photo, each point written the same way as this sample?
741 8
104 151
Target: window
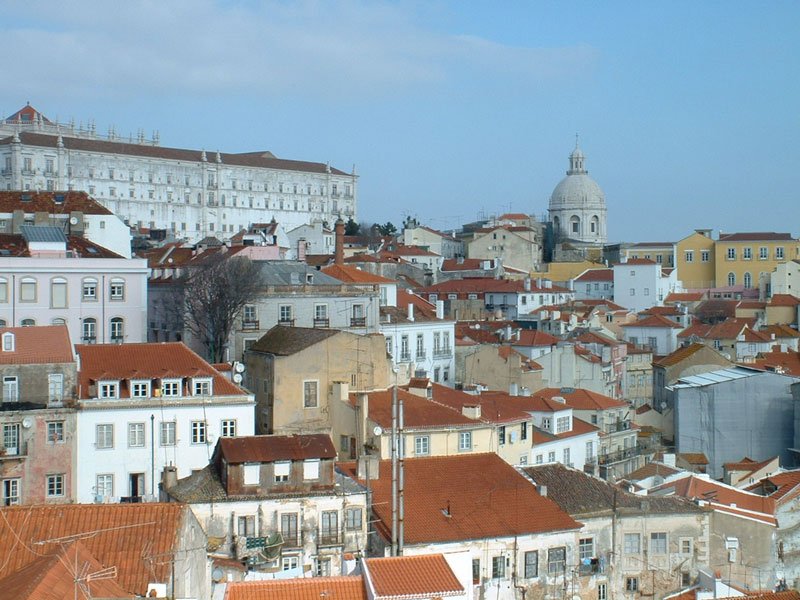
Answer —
763 253
632 543
748 280
170 387
547 423
10 492
89 289
562 425
658 543
104 484
567 460
198 432
539 459
731 254
476 571
420 346
589 451
281 471
631 584
246 525
465 441
289 528
104 436
586 548
311 469
689 256
602 591
228 428
353 519
252 473
731 279
551 457
3 290
55 485
55 432
705 255
779 253
330 527
285 314
289 563
322 566
249 315
55 388
320 312
404 351
109 389
632 291
747 253
686 545
27 290
58 293
11 438
557 560
646 291
89 331
10 389
501 435
310 391
422 445
136 435
498 567
531 564
202 387
140 389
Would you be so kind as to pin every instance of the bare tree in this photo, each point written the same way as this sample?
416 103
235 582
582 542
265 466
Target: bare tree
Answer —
214 295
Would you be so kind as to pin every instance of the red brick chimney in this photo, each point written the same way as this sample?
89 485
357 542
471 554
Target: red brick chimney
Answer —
339 229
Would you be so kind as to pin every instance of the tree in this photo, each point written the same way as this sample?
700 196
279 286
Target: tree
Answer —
351 227
214 295
387 228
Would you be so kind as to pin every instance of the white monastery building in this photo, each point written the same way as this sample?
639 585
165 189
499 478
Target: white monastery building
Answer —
192 193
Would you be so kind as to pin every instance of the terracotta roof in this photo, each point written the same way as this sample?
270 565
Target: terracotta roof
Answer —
580 399
467 264
535 338
514 216
716 309
408 577
54 203
79 246
120 535
285 341
786 300
684 297
262 159
271 448
45 344
668 311
506 352
781 487
348 274
596 275
747 465
757 236
104 362
728 329
786 362
651 469
786 595
465 497
654 321
586 354
309 588
751 305
694 458
591 337
756 336
780 331
53 577
652 245
469 285
419 413
582 495
403 250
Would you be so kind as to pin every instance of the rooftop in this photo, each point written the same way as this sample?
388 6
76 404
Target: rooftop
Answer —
54 203
580 399
285 341
308 588
271 448
46 344
408 577
757 236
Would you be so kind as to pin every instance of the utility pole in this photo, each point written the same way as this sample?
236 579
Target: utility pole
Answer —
401 485
394 470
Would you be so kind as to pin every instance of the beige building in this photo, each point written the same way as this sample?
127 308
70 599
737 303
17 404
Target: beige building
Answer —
501 368
785 279
516 247
742 258
662 253
693 359
639 367
292 370
695 260
782 309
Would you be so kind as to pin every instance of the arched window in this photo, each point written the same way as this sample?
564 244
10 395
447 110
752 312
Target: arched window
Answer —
748 280
89 331
556 225
58 293
595 224
574 224
731 278
27 289
117 330
3 290
58 321
28 322
89 289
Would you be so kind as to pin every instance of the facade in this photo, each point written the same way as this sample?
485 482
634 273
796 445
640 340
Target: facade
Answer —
515 247
47 278
446 246
311 238
37 416
594 284
656 333
744 258
640 284
143 407
785 279
277 503
662 253
508 299
578 205
500 368
570 365
639 373
188 192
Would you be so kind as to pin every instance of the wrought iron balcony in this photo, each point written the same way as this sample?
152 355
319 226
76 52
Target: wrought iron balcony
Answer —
619 455
250 324
358 321
324 323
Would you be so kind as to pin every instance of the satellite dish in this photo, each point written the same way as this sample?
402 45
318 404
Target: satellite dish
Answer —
378 430
73 220
217 574
238 367
237 378
27 422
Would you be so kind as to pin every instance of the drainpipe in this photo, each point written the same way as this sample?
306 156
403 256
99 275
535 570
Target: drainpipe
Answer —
153 454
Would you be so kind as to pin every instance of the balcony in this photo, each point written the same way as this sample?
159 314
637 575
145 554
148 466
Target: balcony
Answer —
330 538
420 355
618 426
619 455
14 452
322 323
442 353
405 357
288 322
292 539
587 570
89 339
249 325
358 321
5 172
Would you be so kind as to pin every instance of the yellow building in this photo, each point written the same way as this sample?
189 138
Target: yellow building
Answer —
742 258
662 253
694 259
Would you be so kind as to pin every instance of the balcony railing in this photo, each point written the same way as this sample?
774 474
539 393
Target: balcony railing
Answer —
442 353
292 539
250 324
326 322
330 538
358 321
89 339
619 455
405 357
420 355
618 426
287 322
11 452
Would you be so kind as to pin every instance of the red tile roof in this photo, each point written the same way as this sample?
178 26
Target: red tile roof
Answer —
45 344
679 355
684 297
33 202
757 236
507 352
780 331
79 246
534 338
467 264
109 362
654 321
125 536
596 275
309 588
786 300
419 413
425 576
580 399
269 448
728 329
349 274
785 362
785 486
786 595
751 305
465 497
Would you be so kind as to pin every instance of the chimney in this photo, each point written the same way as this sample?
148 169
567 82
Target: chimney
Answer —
542 489
440 309
367 466
302 246
410 311
513 389
471 411
339 229
526 283
169 477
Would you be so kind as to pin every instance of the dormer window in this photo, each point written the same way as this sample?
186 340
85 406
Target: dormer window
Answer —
170 388
252 473
563 424
108 389
311 469
8 342
140 389
282 470
547 423
201 386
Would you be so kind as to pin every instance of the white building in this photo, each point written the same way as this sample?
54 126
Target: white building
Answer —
143 407
311 238
47 278
191 193
511 298
640 284
559 437
594 284
656 332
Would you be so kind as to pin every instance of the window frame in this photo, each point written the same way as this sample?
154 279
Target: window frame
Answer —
556 565
136 435
104 436
55 485
530 567
55 432
199 433
310 385
422 445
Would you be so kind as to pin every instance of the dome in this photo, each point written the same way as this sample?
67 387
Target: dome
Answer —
577 191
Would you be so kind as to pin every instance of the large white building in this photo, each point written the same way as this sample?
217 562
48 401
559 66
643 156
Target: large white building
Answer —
192 193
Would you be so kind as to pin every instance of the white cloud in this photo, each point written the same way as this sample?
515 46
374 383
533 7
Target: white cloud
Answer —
332 50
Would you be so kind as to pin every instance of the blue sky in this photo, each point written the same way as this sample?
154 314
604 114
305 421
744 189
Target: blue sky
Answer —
688 112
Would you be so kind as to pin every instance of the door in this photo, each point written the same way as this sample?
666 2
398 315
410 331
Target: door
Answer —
137 484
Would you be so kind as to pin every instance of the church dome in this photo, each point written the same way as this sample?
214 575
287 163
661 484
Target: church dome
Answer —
577 189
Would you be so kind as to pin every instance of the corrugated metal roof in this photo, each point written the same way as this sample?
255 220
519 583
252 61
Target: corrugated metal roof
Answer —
42 233
281 273
713 377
